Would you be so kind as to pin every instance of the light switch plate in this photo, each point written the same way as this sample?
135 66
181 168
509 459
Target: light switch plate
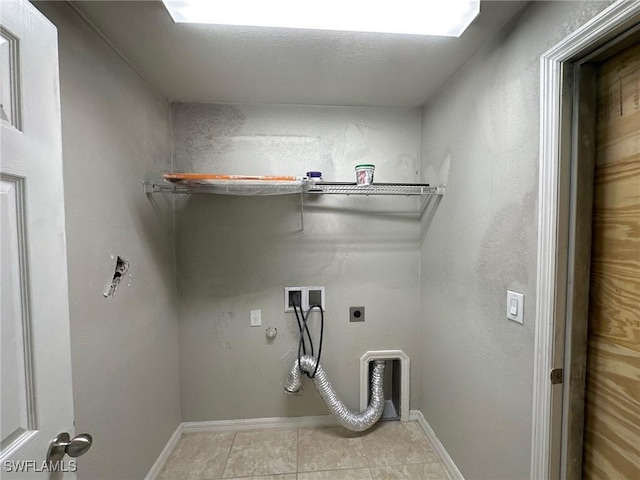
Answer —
515 306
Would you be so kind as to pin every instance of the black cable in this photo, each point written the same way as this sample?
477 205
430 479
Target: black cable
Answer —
303 327
304 320
301 342
301 345
300 327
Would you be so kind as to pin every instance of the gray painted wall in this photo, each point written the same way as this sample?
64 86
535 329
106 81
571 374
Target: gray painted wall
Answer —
116 132
235 254
480 137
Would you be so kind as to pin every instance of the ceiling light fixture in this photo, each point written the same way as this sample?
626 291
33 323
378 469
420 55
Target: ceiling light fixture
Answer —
417 17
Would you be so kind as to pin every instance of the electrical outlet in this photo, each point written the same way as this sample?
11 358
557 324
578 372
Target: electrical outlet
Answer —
256 318
356 314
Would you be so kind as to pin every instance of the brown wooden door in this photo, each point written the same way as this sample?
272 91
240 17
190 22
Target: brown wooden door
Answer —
612 402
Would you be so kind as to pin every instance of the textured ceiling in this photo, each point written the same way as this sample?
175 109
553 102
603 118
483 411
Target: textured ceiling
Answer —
263 65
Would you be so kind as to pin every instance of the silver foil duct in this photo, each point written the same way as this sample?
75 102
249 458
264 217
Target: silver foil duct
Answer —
357 422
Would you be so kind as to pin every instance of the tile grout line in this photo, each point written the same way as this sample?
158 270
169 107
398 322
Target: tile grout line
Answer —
366 457
297 451
226 461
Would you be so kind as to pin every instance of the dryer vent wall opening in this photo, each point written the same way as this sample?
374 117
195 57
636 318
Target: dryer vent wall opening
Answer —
396 382
391 388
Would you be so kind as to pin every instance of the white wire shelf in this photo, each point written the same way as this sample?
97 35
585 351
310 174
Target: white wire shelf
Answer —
319 188
227 188
405 189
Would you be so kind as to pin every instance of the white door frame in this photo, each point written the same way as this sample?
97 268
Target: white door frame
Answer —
556 129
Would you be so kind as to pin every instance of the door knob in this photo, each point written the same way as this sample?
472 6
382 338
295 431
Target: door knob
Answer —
63 444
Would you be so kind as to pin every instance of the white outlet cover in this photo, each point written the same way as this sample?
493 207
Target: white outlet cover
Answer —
256 318
515 306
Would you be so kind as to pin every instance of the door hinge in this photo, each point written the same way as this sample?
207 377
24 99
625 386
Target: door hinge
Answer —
556 376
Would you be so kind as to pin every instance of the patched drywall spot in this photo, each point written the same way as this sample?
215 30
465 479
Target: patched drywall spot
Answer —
506 253
120 269
406 162
354 145
204 131
437 171
222 331
293 334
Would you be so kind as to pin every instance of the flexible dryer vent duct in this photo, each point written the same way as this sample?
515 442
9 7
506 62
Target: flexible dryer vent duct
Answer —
357 422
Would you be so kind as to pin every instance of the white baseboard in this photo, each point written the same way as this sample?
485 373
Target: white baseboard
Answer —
450 467
259 424
288 422
164 455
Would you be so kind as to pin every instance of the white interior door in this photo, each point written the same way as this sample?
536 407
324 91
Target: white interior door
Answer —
36 396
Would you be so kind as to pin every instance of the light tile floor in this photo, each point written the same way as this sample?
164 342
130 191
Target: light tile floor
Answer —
389 450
